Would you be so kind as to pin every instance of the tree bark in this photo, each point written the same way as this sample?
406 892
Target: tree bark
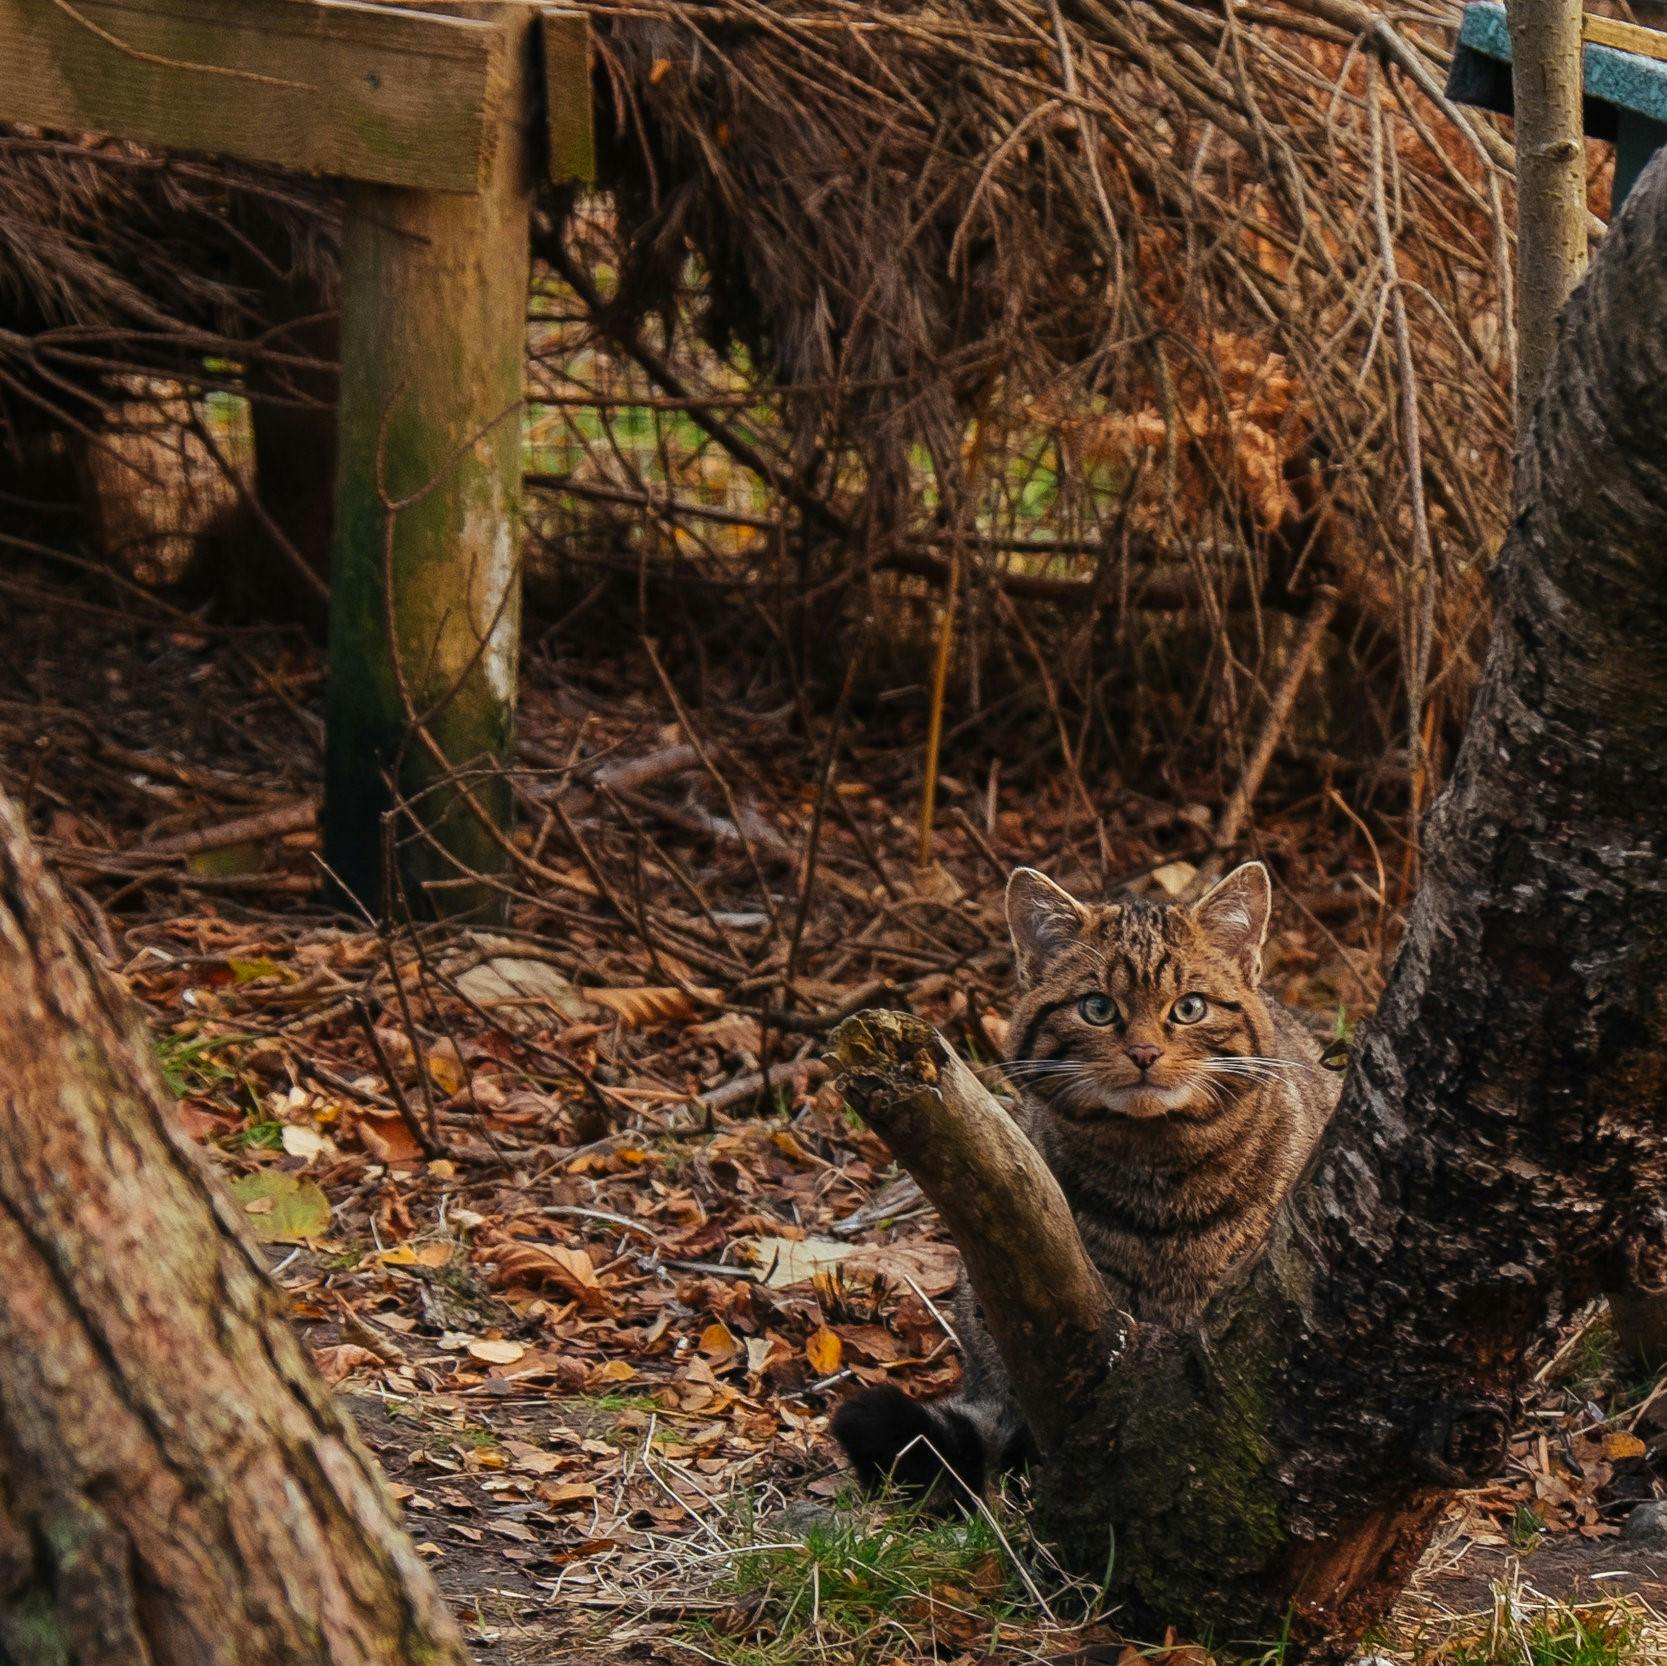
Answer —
177 1487
1498 1156
1546 90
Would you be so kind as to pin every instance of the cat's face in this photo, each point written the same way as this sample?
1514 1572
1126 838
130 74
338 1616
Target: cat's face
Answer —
1136 1010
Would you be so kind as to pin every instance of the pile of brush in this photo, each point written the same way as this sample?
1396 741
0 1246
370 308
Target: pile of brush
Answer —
1137 361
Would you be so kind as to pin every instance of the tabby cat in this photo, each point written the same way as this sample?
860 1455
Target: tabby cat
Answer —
1175 1104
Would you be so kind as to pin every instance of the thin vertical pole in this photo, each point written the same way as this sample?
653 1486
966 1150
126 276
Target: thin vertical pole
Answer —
1546 83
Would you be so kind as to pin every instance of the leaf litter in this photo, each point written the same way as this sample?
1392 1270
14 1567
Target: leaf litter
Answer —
571 1219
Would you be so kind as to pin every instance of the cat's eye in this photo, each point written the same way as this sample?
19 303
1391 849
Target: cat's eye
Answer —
1189 1009
1097 1009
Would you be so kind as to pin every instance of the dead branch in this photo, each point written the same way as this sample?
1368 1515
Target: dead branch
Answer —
1042 1298
268 824
1236 811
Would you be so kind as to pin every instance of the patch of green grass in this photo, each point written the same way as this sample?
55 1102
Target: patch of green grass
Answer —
1607 1634
861 1588
188 1064
617 1403
1527 1528
266 1135
1592 1366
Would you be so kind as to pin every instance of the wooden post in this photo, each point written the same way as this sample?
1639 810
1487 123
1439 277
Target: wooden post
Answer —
425 610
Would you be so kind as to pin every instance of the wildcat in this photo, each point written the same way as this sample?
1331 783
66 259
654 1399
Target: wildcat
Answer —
1176 1106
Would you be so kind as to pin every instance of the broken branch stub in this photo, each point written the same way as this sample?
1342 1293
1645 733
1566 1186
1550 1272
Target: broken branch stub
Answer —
1041 1296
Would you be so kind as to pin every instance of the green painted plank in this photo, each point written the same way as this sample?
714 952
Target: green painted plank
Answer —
1613 80
375 93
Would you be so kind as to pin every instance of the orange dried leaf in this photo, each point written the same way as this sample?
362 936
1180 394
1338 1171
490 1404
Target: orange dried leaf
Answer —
646 1004
824 1350
717 1342
446 1067
414 1255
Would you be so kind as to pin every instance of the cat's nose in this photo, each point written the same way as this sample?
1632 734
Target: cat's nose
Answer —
1144 1055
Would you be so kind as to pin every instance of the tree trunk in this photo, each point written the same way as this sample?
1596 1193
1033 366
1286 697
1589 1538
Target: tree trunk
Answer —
1546 91
177 1487
1498 1156
1546 76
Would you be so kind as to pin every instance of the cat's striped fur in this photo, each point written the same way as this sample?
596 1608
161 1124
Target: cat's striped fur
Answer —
1173 1101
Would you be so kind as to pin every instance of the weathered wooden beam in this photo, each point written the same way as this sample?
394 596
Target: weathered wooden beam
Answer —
376 93
426 583
569 122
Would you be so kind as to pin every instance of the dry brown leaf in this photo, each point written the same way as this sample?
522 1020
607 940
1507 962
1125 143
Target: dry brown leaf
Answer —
648 1004
824 1350
496 1351
932 1266
718 1342
387 1138
567 1492
549 1266
733 1032
336 1362
872 1343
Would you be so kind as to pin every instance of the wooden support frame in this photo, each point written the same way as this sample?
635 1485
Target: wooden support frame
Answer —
431 118
1624 75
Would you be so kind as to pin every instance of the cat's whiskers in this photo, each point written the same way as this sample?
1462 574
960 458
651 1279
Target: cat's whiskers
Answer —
1021 1068
1252 1066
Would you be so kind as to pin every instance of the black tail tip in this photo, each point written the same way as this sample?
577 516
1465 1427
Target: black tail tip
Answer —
889 1436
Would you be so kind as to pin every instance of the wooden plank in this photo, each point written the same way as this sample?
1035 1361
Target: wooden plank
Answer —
568 118
376 93
1625 37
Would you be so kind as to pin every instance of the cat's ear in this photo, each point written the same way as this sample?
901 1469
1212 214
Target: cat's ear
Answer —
1234 916
1042 918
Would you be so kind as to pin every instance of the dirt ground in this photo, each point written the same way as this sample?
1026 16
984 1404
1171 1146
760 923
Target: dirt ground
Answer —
567 1211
